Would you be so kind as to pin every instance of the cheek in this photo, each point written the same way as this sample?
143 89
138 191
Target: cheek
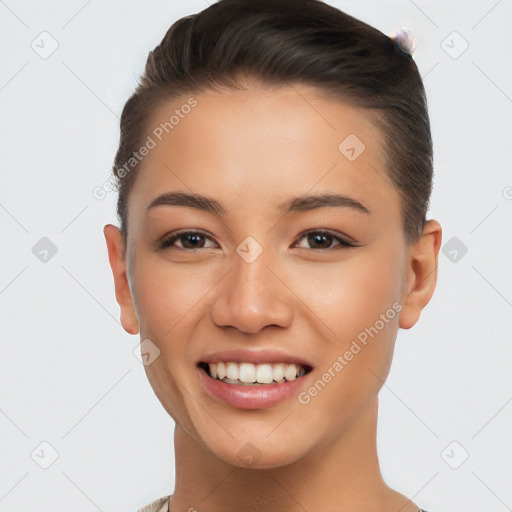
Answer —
359 302
169 297
350 295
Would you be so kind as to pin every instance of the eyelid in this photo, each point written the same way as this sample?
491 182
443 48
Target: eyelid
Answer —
344 241
168 240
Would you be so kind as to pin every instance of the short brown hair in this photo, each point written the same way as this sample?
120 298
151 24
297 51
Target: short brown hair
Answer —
292 41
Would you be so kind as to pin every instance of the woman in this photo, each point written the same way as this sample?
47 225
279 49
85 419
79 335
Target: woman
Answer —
274 173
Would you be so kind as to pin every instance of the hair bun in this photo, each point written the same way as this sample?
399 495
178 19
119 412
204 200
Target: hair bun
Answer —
405 40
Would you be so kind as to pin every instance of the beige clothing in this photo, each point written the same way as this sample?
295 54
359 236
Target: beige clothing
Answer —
160 505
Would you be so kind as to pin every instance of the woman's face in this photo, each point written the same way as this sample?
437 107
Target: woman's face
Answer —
258 276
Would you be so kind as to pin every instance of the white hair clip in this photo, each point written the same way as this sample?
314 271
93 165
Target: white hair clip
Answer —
405 40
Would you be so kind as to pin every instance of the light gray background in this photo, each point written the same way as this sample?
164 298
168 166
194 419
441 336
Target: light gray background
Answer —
68 373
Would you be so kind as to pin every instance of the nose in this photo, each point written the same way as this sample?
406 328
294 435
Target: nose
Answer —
252 296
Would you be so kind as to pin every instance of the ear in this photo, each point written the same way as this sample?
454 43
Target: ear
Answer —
420 274
116 257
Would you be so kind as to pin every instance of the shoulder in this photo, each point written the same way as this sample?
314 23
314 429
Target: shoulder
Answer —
159 505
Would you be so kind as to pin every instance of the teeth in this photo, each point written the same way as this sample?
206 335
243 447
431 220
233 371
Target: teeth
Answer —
221 371
278 371
232 371
264 373
248 373
290 372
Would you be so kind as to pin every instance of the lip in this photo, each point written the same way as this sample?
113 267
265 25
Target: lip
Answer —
255 357
250 397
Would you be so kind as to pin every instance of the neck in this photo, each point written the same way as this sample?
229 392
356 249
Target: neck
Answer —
341 475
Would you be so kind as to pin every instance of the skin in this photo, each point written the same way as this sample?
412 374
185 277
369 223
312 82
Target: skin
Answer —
251 150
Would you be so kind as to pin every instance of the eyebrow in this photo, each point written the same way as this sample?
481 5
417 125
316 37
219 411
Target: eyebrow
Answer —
294 204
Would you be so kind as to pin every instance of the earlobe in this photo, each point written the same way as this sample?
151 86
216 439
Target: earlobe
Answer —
115 242
421 277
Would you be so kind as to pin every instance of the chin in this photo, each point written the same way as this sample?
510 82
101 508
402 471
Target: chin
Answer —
257 453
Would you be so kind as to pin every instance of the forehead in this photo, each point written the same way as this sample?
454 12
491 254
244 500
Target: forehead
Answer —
263 144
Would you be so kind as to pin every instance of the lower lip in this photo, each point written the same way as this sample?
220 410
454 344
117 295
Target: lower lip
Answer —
250 397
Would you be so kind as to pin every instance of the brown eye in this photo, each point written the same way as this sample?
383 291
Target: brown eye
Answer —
190 240
324 240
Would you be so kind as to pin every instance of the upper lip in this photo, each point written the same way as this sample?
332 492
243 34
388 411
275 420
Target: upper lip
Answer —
255 357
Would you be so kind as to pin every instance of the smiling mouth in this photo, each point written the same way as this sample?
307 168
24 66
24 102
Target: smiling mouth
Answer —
249 374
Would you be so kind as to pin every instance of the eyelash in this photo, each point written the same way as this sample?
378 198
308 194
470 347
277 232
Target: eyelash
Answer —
169 241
